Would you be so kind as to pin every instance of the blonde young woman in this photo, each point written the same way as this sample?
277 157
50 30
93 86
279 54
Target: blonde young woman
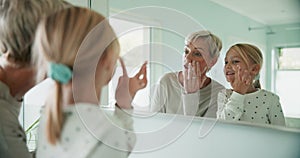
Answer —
19 19
246 101
191 91
80 50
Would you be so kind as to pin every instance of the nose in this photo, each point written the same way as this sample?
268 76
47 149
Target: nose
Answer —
188 56
227 66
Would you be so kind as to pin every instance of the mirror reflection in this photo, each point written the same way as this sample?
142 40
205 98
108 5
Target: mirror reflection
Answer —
271 37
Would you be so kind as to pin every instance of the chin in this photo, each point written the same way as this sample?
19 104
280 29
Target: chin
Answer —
230 80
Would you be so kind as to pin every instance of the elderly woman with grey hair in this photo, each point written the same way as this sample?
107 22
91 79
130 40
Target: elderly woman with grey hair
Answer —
191 91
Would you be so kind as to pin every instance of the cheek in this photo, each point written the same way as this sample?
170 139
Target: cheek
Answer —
240 66
186 57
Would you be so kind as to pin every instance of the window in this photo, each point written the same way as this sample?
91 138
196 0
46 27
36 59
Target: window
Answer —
134 39
34 99
287 77
289 59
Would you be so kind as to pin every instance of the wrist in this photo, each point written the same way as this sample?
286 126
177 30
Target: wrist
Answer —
188 91
116 105
132 94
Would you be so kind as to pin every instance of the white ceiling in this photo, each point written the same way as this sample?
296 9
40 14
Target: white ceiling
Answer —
268 12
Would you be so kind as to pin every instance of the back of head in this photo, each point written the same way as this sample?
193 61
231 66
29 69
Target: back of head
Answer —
214 42
71 37
60 36
18 22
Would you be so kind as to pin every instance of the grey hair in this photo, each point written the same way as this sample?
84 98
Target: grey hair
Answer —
18 22
214 42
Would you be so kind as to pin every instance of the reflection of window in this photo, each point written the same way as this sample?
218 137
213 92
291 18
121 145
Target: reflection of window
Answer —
34 99
134 39
287 80
289 58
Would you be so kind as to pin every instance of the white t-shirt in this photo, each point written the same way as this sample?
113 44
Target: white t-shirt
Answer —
12 135
89 131
169 97
258 107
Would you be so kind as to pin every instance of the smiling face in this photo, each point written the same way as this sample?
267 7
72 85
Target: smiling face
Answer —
197 51
234 62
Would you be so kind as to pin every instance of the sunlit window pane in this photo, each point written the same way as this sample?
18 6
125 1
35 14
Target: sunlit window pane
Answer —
289 58
134 39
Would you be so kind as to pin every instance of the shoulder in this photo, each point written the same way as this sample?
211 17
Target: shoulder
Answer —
168 78
225 92
217 85
83 111
268 94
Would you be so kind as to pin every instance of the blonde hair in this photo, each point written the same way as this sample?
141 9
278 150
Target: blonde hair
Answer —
18 22
214 42
59 37
249 53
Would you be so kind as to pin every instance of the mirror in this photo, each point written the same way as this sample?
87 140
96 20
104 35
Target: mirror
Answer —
233 22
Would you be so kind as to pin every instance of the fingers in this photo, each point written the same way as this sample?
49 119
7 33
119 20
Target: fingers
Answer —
123 67
194 72
142 74
198 71
238 74
244 76
189 72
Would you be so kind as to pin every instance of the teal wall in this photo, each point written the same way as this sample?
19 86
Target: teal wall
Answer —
228 25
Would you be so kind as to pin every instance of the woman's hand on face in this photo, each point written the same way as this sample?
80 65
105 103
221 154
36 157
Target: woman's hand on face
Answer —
139 81
243 80
193 78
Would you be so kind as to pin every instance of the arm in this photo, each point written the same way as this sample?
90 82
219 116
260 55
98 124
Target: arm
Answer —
190 103
276 116
230 108
158 99
193 81
216 88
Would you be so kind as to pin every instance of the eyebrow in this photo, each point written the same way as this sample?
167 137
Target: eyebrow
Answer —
231 57
235 57
195 47
198 48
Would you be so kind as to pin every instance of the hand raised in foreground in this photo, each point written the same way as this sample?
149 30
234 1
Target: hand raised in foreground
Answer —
127 87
